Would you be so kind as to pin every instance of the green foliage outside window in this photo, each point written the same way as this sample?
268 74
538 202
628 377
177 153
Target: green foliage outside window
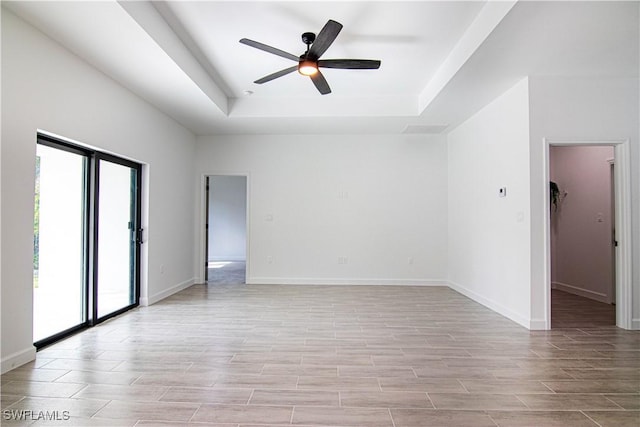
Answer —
36 226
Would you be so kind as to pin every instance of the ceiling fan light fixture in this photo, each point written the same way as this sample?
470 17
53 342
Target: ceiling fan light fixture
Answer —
307 67
309 62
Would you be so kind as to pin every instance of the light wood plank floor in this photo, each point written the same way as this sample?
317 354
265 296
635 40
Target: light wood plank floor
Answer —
328 356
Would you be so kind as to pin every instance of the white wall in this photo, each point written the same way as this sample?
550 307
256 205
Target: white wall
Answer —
582 109
46 87
488 243
227 218
581 225
373 200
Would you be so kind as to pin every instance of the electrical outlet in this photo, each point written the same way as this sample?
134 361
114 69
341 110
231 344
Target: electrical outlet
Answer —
269 260
502 192
410 260
343 260
161 268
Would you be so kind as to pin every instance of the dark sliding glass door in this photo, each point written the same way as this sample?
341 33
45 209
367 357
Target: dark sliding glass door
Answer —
118 217
81 278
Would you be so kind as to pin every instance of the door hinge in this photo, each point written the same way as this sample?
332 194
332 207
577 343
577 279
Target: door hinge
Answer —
139 236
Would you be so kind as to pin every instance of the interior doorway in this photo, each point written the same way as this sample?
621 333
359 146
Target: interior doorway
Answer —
589 274
226 229
582 272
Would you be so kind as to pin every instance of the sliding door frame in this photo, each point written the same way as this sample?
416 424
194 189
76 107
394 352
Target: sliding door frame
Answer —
86 300
137 230
90 240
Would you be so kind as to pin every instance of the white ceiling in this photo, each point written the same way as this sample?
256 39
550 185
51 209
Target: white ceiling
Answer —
441 60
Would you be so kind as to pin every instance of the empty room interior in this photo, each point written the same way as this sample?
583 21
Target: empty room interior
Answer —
331 213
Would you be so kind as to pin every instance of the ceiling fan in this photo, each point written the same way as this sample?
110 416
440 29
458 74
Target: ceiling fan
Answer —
310 62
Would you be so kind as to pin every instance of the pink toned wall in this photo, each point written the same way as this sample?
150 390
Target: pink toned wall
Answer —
581 249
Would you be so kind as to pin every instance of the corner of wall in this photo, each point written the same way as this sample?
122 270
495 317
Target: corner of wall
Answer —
152 299
17 359
497 307
488 242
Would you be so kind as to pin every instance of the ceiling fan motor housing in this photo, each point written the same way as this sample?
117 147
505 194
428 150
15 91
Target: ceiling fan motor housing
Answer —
308 38
308 65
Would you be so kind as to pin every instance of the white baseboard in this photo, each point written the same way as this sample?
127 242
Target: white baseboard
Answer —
498 308
538 325
19 358
167 292
348 282
576 290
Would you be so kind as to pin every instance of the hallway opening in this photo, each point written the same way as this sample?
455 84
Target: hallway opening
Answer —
226 229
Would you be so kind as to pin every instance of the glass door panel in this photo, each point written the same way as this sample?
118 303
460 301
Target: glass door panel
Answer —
116 225
79 277
59 258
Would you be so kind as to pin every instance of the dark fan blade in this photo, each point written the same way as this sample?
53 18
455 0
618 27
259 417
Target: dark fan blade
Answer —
277 74
350 64
270 49
321 83
324 39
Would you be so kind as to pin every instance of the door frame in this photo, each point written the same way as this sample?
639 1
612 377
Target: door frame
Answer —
622 221
612 171
204 219
207 202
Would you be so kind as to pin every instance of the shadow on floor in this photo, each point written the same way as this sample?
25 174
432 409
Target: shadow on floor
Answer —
573 311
